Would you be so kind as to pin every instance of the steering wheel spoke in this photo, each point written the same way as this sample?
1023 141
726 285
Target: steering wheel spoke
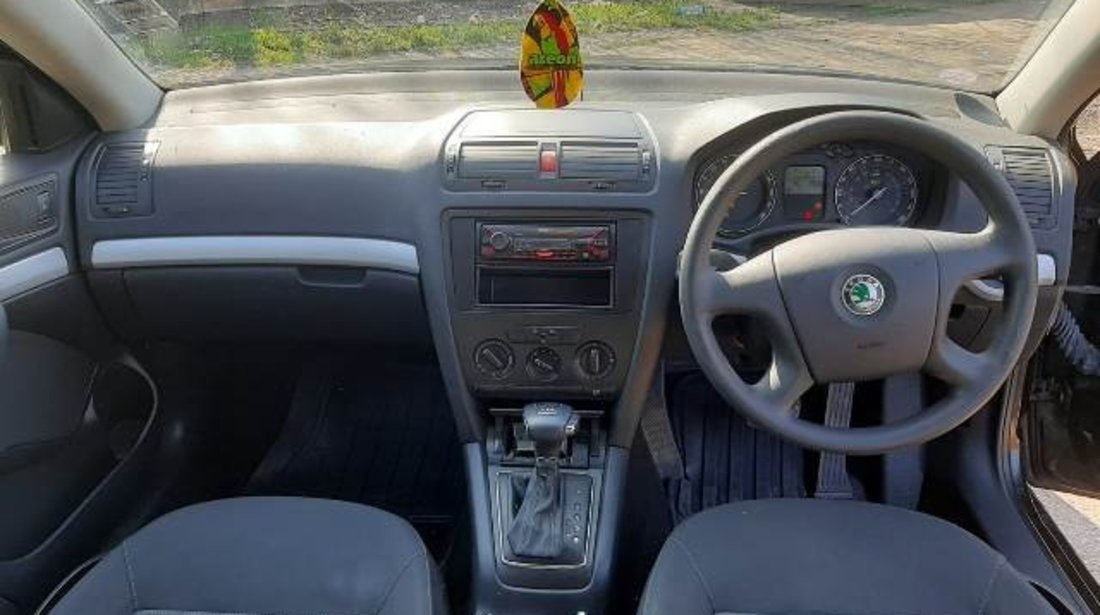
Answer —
785 382
749 289
964 257
956 365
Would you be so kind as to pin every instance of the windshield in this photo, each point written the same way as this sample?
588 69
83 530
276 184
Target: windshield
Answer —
974 45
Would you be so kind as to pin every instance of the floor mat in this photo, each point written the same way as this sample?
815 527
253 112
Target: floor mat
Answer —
381 435
725 459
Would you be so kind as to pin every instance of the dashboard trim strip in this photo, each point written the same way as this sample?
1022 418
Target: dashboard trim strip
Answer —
31 272
256 250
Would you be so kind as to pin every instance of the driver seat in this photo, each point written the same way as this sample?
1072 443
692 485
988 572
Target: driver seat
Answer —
831 557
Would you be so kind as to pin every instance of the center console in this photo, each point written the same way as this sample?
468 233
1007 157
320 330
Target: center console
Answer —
545 313
546 304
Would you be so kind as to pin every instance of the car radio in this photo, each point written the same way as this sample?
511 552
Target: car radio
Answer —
546 264
568 243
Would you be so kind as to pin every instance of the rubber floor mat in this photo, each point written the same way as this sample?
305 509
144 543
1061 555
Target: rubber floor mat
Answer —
725 458
381 435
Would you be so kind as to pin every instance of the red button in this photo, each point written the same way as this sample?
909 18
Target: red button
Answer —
548 161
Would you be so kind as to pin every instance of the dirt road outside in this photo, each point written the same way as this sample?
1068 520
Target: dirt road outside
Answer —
1088 128
965 44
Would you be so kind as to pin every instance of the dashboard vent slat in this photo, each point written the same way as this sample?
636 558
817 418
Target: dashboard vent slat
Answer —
608 162
498 160
122 180
1029 172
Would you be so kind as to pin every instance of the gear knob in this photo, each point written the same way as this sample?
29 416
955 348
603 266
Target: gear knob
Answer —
549 425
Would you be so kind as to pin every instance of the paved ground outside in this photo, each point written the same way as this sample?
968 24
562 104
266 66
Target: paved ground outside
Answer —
1088 128
1078 518
970 47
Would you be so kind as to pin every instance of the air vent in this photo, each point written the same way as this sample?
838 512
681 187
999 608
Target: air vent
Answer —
1028 171
122 180
568 151
610 162
498 160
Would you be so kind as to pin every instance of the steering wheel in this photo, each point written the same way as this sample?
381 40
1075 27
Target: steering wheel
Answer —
861 303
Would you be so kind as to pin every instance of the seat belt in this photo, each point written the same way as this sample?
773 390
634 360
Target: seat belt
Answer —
657 431
833 482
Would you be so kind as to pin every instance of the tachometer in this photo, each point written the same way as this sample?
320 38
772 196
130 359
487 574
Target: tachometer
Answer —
750 208
876 190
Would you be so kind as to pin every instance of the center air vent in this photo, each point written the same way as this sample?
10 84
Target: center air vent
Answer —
122 180
501 160
1029 172
612 162
570 150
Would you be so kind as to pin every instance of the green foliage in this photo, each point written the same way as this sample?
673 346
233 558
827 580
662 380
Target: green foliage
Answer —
275 48
668 14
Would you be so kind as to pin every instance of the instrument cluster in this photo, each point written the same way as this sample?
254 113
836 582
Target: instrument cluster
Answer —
856 184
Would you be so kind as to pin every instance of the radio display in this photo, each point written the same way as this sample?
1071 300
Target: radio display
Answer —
564 243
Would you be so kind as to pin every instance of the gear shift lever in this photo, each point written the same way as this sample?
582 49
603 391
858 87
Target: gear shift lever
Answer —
536 529
549 425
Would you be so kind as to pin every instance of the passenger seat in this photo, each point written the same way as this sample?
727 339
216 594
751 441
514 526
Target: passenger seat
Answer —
264 555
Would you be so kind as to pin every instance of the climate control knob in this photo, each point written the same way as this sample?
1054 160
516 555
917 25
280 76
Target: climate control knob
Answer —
544 364
494 358
595 359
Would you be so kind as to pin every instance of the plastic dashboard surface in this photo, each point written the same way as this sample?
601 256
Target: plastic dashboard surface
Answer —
362 157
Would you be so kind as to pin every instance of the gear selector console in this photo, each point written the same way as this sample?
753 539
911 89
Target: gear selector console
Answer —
545 511
546 461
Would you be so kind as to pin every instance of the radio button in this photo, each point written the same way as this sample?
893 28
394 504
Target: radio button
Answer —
500 240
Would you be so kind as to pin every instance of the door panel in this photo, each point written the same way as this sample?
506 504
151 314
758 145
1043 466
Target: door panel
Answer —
32 272
57 401
60 451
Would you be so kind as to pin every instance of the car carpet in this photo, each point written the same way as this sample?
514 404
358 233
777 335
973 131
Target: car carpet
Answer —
724 458
378 434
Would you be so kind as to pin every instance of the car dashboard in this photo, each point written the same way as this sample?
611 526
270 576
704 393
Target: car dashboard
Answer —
533 252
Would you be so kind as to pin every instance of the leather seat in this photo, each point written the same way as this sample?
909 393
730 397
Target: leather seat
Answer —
831 557
291 556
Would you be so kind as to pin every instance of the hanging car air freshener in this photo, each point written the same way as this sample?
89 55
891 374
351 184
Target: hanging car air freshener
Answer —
550 64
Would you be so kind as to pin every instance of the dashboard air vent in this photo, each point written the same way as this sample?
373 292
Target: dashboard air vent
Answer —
609 162
122 186
1029 172
498 160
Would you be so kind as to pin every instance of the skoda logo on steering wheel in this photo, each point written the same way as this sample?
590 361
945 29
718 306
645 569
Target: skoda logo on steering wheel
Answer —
863 294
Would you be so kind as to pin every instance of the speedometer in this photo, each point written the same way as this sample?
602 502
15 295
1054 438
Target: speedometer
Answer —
749 209
876 190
